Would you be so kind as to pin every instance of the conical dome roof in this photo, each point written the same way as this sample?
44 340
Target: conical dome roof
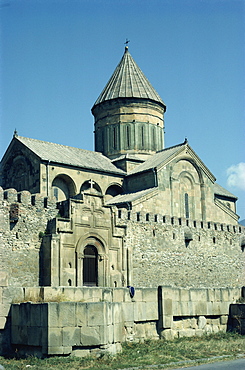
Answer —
128 81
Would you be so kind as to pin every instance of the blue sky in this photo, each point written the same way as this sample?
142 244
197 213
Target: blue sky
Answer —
57 55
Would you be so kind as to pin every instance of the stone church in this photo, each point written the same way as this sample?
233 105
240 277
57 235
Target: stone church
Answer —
132 212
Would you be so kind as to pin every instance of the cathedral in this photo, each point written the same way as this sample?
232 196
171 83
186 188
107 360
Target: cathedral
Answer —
132 212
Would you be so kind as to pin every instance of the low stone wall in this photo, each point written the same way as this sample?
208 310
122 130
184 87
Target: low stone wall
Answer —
79 321
194 312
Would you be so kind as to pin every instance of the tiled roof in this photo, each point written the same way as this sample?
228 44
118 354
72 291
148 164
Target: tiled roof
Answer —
129 197
219 190
128 81
157 159
70 156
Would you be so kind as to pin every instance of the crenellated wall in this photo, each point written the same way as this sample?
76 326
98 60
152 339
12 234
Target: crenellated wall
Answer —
182 252
23 222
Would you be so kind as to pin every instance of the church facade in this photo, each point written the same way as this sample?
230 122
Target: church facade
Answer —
132 212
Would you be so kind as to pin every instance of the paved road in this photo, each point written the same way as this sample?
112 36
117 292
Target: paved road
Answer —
225 365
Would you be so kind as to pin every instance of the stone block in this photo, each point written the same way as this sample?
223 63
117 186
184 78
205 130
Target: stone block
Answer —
177 324
36 314
118 294
128 311
223 320
186 308
4 309
200 308
201 322
151 311
235 293
107 334
2 322
52 315
50 293
34 336
140 330
210 295
107 295
167 321
167 306
169 334
140 311
32 294
55 337
1 294
25 314
96 313
118 332
16 334
117 313
184 295
224 308
138 294
80 352
92 294
71 336
217 295
67 313
90 336
69 293
187 333
59 350
150 295
199 332
198 295
19 335
79 295
81 314
210 308
12 295
172 293
225 295
217 308
215 328
3 279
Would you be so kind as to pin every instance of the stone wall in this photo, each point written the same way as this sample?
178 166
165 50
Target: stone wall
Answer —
183 252
81 321
23 222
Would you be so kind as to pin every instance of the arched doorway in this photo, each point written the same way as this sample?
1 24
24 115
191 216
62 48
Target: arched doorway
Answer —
90 266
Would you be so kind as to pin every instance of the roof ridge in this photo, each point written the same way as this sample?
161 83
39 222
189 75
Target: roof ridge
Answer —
50 142
171 147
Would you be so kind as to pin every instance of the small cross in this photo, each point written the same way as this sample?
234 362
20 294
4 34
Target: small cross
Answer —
91 182
127 41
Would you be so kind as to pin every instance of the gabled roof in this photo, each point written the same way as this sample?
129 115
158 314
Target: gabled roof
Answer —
219 190
128 81
164 156
129 197
69 156
157 159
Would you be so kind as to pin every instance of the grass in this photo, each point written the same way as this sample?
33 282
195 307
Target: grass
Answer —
142 355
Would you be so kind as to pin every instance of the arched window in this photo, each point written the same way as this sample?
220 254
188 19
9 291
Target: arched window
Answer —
90 266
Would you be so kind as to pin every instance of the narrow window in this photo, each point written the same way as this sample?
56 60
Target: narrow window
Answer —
114 138
153 138
127 136
187 214
142 136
